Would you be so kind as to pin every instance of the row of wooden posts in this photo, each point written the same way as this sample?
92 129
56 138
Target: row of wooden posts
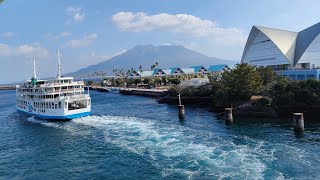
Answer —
298 119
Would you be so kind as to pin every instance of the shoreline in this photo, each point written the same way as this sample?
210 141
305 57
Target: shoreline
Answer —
259 112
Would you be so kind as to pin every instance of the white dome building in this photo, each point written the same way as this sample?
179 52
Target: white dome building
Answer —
293 54
283 49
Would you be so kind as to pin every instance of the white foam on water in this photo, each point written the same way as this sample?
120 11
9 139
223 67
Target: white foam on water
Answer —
177 149
170 149
43 122
70 127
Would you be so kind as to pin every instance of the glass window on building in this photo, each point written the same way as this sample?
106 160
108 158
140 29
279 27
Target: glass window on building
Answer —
311 76
301 77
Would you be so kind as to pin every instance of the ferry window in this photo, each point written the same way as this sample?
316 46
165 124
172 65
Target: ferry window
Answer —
59 105
55 106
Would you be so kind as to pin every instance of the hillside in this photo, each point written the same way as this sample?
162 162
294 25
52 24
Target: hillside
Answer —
146 55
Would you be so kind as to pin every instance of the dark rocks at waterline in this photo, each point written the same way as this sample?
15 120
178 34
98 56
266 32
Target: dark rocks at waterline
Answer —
309 112
187 100
248 110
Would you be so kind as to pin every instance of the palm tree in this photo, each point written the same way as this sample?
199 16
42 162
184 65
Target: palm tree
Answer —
140 67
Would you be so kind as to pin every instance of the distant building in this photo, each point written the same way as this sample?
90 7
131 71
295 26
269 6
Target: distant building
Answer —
134 74
177 71
217 70
200 69
146 74
158 72
285 50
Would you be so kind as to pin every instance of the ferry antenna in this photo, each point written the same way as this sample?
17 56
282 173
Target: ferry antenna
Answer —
59 63
34 68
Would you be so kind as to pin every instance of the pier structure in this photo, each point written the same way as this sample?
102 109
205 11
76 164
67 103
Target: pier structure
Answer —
182 112
298 122
228 115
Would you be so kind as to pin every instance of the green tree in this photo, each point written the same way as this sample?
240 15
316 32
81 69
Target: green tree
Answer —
137 81
157 81
241 82
164 80
175 81
267 74
119 82
146 81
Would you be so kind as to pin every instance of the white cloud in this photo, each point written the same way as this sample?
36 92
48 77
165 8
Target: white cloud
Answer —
28 50
64 34
8 34
83 42
75 13
180 23
58 36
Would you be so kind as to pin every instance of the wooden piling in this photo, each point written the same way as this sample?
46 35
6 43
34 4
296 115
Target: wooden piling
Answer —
298 122
228 115
182 113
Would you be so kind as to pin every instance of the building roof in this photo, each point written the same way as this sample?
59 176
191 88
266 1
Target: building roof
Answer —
188 70
174 69
305 38
284 40
218 67
197 68
291 44
147 73
167 71
134 72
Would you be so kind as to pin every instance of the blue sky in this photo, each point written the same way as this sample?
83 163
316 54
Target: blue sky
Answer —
88 32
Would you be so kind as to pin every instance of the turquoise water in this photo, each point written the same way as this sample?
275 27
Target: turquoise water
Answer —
130 137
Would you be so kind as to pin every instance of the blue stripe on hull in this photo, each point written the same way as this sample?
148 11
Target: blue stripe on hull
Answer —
73 116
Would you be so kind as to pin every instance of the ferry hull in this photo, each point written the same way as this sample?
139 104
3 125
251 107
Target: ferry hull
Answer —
47 117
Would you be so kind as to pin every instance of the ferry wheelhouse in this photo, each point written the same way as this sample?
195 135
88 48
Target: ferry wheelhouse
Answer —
60 99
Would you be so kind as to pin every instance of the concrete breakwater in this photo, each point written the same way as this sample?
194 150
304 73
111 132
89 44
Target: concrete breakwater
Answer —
7 88
144 92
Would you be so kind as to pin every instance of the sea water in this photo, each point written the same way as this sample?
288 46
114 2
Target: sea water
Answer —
131 137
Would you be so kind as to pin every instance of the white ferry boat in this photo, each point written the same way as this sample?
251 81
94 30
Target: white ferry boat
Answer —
59 99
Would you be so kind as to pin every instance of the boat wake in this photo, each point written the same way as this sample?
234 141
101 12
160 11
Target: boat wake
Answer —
43 122
172 148
191 153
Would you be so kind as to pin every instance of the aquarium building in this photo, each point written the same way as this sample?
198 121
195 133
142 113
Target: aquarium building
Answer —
292 54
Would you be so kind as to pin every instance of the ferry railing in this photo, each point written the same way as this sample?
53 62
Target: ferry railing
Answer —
61 84
45 92
54 99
